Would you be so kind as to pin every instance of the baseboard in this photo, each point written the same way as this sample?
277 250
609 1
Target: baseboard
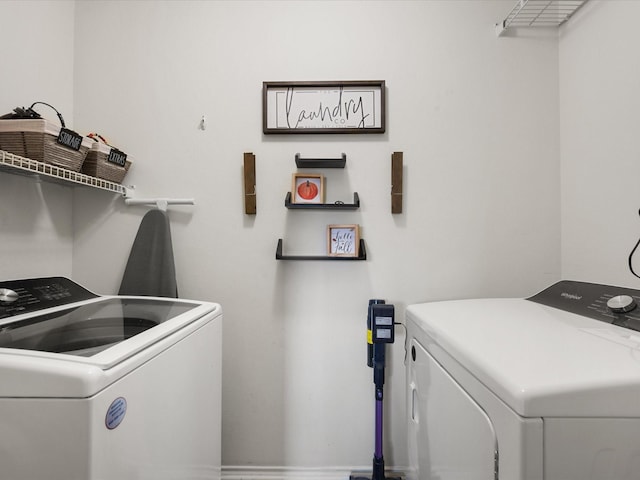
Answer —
231 472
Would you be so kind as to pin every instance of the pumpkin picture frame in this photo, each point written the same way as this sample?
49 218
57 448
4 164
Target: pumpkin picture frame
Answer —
307 188
343 240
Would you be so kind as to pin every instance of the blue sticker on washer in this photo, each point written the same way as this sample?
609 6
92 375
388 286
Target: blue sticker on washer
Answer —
116 413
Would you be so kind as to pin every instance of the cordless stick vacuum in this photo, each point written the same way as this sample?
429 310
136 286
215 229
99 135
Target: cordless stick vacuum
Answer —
380 331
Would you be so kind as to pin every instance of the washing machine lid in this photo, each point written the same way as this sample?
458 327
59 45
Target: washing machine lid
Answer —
88 328
542 360
75 344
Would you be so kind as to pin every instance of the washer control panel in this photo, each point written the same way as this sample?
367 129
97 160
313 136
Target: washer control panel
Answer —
616 305
29 295
621 304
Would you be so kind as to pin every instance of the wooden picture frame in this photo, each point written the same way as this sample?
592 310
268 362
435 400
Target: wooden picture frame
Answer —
307 188
323 107
343 240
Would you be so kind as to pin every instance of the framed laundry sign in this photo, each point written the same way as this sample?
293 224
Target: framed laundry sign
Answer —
323 107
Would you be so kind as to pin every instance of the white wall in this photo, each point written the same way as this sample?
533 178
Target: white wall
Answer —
600 112
36 59
477 120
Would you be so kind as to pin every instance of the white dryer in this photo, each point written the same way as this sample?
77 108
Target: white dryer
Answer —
106 387
545 388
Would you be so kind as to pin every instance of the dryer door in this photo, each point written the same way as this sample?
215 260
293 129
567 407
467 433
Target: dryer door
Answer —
450 436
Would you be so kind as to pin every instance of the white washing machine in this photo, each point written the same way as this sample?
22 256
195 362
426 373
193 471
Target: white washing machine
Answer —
545 388
105 387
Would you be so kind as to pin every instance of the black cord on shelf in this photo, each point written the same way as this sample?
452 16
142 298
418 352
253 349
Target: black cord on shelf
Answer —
50 106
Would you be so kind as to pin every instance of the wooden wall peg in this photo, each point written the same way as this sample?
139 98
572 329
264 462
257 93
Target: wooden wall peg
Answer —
396 182
249 183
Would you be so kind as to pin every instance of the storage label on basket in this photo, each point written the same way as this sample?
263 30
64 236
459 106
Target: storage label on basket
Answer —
117 157
69 138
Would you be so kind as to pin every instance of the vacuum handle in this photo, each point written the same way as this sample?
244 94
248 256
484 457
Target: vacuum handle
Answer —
372 302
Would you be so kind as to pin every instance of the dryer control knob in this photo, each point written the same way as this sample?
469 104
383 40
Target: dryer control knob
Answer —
621 304
7 295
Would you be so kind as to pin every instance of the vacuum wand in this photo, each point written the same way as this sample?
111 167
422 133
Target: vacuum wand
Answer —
378 373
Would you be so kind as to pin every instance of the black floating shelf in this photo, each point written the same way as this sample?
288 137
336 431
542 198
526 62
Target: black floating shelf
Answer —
323 206
321 162
280 256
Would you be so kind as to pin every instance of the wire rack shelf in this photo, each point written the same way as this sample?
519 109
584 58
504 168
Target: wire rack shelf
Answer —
25 166
539 13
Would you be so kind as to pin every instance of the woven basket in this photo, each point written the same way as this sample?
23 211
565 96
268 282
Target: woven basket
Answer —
36 139
97 165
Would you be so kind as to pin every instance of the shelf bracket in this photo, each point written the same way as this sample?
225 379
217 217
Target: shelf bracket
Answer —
321 162
160 203
323 206
249 183
280 256
396 182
